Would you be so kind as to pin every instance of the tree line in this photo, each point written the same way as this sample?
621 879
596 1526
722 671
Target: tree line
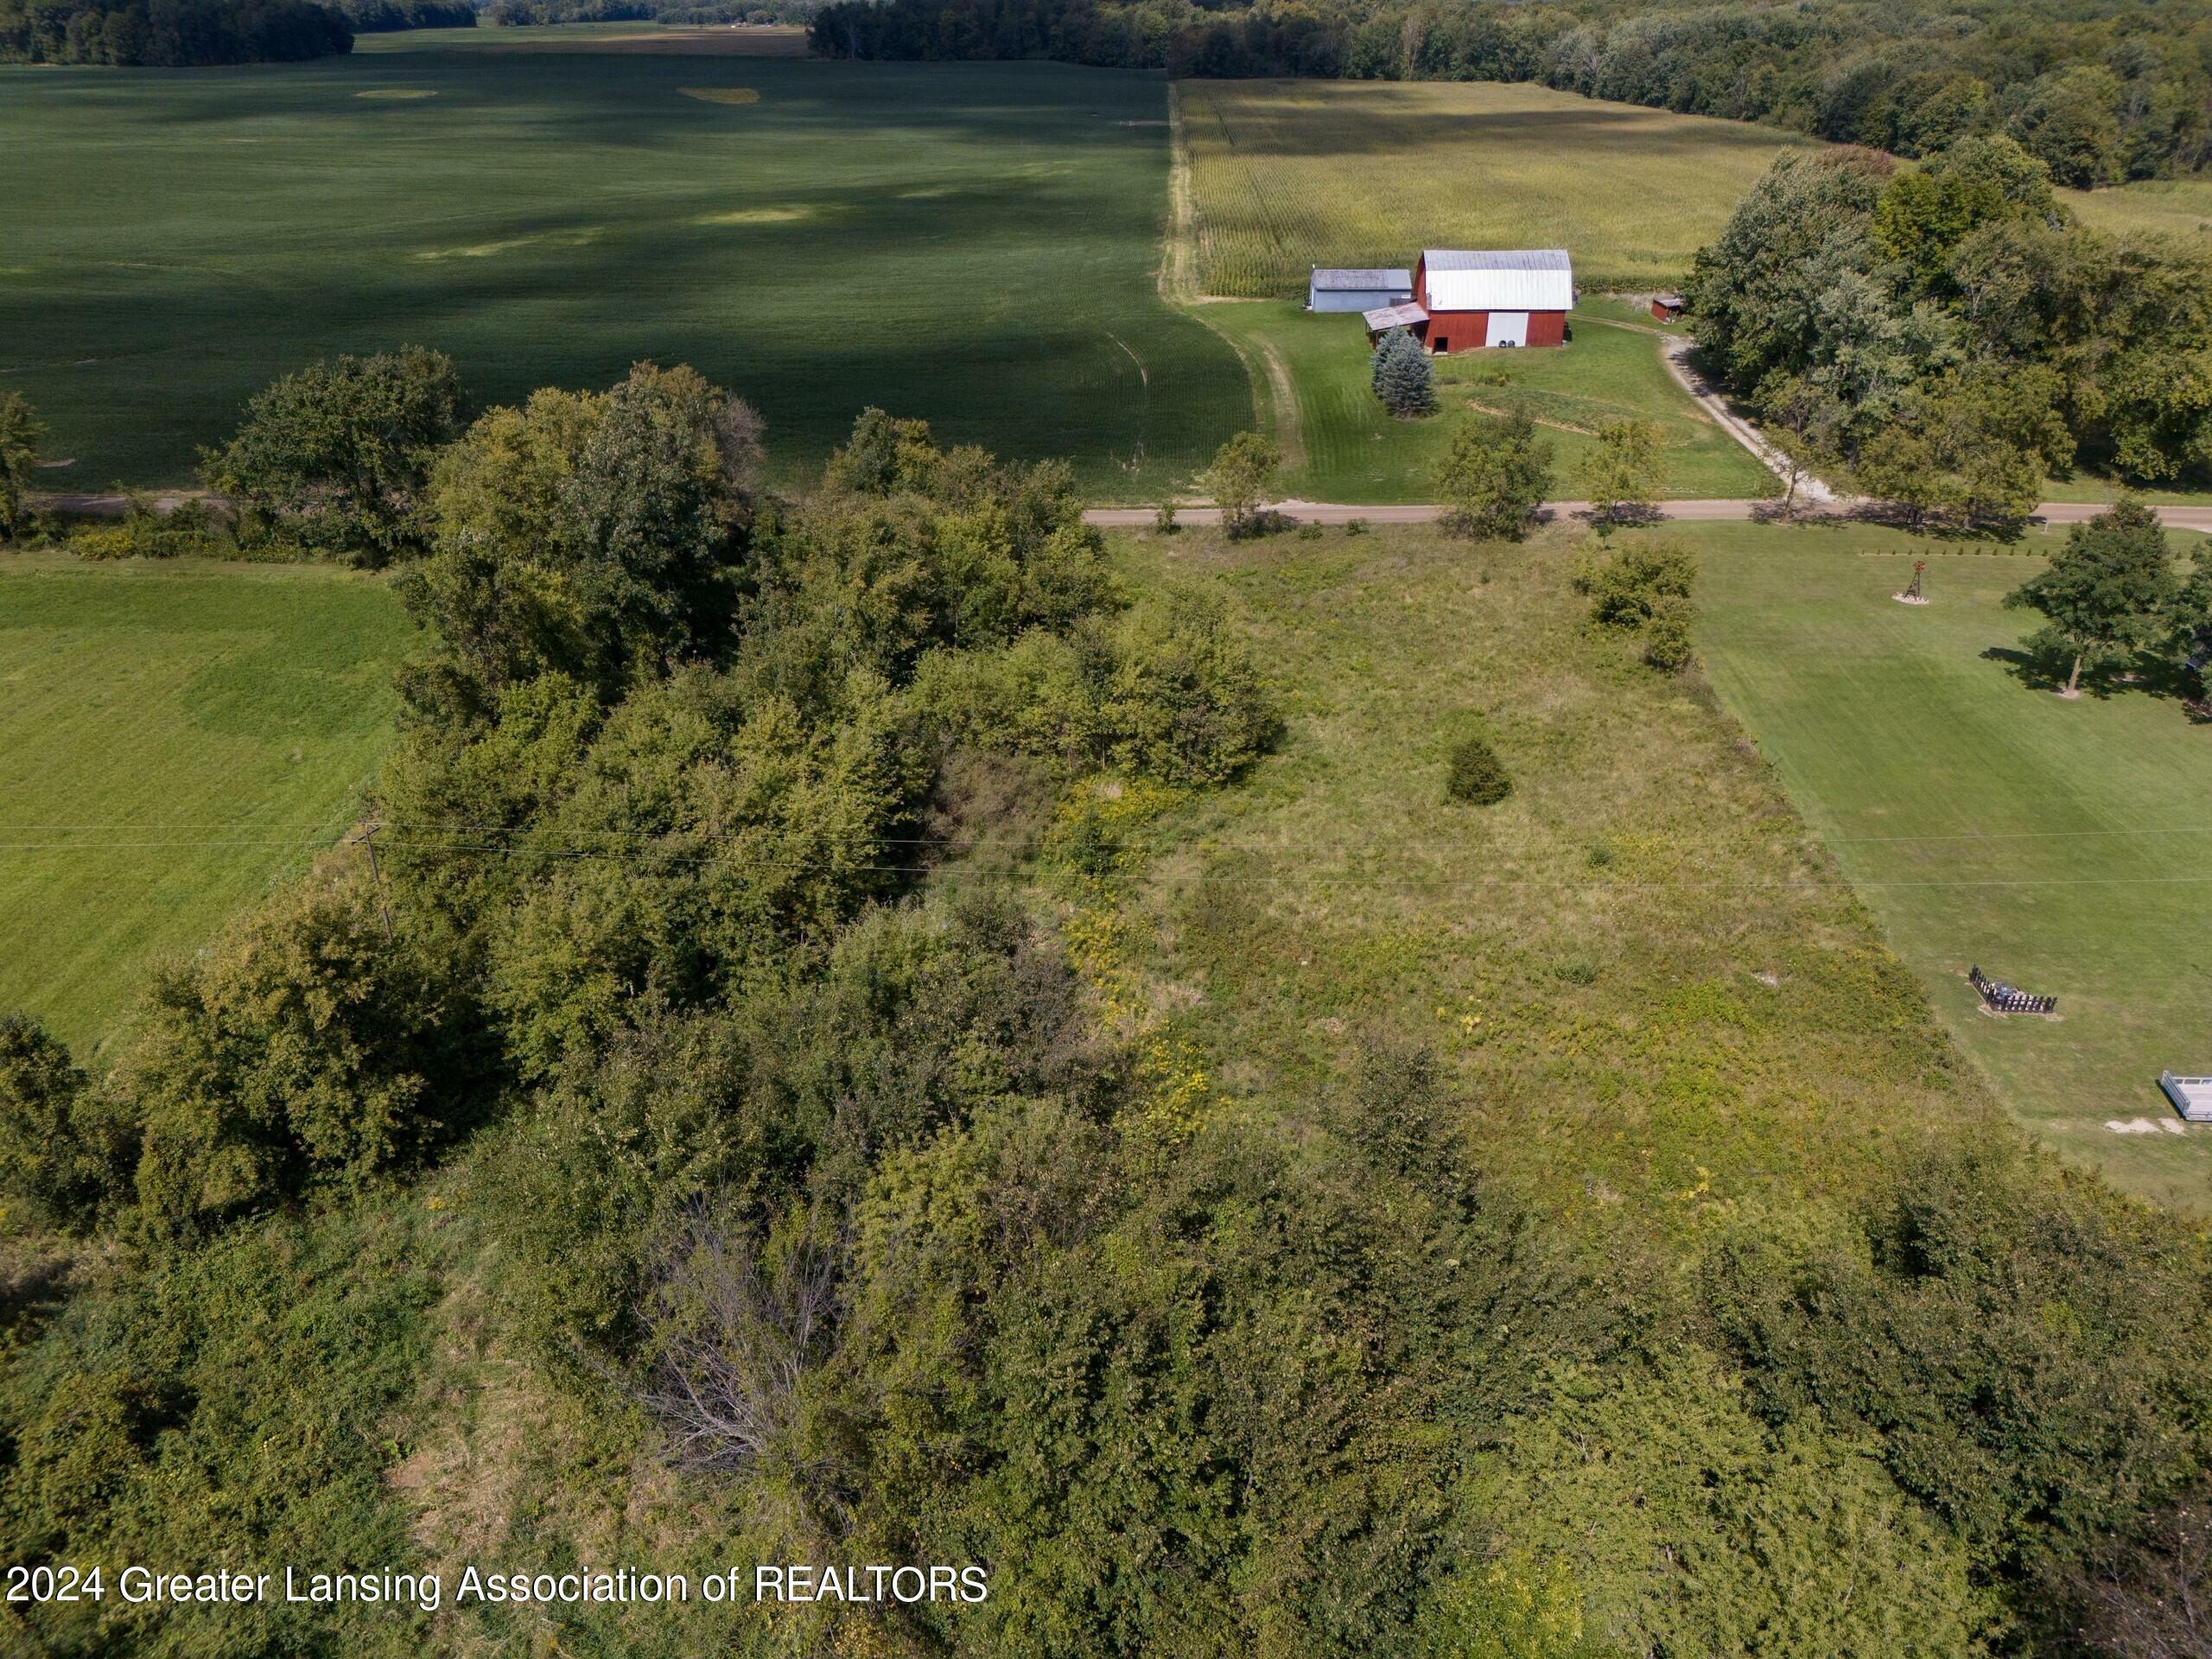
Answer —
1945 337
526 13
385 16
2098 89
174 33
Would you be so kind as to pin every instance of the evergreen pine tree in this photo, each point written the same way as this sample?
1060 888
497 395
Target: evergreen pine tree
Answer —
1477 775
1402 379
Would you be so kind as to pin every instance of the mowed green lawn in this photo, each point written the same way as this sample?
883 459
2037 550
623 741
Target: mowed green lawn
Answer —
2060 846
172 738
973 244
1344 446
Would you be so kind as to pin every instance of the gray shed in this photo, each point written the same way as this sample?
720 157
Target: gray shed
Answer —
1357 290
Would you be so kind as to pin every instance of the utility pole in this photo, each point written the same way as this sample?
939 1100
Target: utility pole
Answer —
376 875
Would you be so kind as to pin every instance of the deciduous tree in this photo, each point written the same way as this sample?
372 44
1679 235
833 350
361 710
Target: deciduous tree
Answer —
1494 476
1242 470
20 432
2105 594
338 455
1621 478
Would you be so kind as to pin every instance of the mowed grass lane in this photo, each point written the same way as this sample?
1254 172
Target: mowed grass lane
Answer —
2062 846
973 244
1354 450
172 739
1290 174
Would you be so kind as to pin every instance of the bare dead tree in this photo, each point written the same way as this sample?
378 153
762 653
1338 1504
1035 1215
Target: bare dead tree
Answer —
2151 1598
738 1340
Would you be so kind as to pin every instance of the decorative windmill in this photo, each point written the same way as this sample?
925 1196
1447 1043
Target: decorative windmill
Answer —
1912 595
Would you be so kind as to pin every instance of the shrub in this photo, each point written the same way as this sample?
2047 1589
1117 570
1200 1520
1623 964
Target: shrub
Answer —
300 1047
1626 585
1164 691
65 1153
146 532
1667 635
1477 776
1185 702
1163 519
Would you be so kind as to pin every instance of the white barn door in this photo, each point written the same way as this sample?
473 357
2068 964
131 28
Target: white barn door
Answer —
1508 327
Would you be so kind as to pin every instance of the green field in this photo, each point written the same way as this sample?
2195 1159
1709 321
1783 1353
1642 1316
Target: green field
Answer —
172 738
2060 846
1344 446
976 244
2168 207
1290 174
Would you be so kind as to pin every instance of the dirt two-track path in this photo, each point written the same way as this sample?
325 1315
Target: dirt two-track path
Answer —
1271 385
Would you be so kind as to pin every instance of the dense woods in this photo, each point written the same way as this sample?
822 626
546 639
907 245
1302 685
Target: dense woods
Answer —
2098 89
523 12
739 955
169 34
382 16
1946 336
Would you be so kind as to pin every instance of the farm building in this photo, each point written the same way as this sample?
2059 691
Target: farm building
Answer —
1356 290
2192 1096
1667 307
1498 298
1385 318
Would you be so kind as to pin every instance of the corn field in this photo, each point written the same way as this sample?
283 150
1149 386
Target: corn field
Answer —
1290 174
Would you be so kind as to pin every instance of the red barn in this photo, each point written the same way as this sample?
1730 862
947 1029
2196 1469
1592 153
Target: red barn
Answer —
1515 298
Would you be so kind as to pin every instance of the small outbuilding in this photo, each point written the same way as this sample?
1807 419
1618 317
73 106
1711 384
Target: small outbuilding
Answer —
1384 319
1496 298
1357 290
1667 307
2192 1096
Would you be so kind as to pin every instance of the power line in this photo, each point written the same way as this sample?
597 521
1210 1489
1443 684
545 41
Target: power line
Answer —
1431 881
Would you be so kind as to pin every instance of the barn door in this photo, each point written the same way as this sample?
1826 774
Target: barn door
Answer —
1508 327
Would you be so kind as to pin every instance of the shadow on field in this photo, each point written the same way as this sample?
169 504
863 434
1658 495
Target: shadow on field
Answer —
968 244
2146 676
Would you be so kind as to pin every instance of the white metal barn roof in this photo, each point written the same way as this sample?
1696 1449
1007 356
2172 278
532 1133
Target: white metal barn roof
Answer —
1527 279
1326 279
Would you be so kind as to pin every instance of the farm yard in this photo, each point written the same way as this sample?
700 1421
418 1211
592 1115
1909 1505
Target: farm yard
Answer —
973 244
2058 846
1290 174
174 737
1344 446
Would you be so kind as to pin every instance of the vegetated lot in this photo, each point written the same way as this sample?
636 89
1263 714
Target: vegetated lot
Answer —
1290 174
1352 449
973 244
172 739
2058 846
1640 968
